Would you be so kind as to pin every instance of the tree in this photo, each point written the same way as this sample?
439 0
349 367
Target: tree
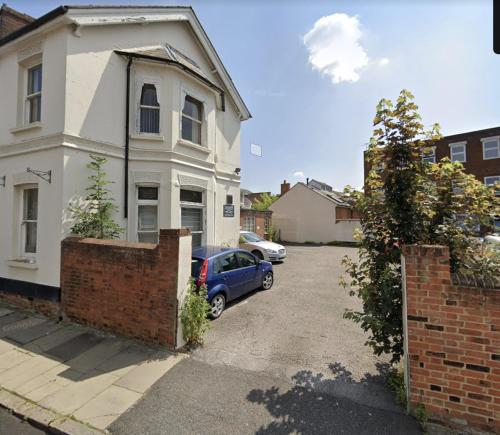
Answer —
94 217
264 201
407 201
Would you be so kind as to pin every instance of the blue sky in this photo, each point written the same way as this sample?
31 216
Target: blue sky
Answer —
313 99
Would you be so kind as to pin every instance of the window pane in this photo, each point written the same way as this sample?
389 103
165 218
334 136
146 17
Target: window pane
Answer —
229 199
228 262
35 79
196 240
30 202
491 145
196 133
148 95
187 129
245 259
192 218
30 237
147 217
191 196
192 108
35 108
147 237
148 193
150 120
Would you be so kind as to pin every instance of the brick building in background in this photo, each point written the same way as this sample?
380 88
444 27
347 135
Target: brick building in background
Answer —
12 20
478 151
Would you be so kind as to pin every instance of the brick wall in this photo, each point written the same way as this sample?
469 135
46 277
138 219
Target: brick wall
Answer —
129 288
260 221
453 343
47 308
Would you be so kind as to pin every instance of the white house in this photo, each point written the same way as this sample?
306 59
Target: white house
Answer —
307 213
142 86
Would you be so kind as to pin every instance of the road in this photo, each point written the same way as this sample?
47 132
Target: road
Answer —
11 425
278 361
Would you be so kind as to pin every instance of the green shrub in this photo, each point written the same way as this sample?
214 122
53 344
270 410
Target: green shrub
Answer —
194 314
396 382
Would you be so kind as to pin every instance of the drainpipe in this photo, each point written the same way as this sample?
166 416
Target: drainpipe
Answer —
127 137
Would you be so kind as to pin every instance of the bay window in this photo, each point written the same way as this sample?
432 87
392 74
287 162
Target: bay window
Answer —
147 214
149 108
193 214
192 120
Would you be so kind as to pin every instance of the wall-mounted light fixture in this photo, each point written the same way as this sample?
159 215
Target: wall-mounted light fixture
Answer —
237 171
2 180
44 175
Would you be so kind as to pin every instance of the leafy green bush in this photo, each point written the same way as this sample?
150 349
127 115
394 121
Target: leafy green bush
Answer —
396 382
194 314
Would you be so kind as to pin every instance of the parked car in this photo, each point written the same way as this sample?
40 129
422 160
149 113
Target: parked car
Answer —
229 273
261 248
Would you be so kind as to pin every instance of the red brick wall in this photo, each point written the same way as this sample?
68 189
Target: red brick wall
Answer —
453 343
260 220
48 308
127 288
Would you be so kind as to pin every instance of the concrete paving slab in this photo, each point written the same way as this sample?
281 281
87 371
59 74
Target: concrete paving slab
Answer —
70 426
12 378
10 322
35 328
4 311
126 360
90 359
55 338
12 358
67 400
105 408
53 385
74 347
142 377
5 346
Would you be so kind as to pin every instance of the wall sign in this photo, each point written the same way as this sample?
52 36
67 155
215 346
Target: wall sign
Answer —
229 210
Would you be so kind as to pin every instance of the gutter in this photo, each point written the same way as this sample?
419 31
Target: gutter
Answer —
127 137
181 66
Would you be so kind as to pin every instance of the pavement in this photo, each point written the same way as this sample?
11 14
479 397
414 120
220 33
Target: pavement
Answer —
277 362
69 377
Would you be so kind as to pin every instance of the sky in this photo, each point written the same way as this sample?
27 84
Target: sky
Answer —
312 72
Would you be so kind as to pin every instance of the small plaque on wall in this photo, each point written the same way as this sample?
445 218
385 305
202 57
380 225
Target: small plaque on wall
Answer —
229 210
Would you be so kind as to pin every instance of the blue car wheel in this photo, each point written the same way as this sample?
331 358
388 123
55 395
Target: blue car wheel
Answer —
217 305
268 280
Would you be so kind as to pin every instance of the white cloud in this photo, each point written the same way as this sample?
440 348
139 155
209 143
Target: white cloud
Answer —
298 174
334 47
383 61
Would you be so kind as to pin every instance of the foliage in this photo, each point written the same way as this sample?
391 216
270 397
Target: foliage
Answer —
273 234
406 201
194 314
263 203
396 383
420 414
94 218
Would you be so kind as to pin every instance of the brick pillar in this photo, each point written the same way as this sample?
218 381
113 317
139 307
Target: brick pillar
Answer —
453 343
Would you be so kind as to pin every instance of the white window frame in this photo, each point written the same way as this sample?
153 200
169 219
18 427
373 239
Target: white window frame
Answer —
151 202
22 222
455 145
196 205
204 117
491 139
430 154
140 82
28 97
486 179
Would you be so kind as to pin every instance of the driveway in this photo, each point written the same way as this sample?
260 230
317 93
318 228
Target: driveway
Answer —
279 361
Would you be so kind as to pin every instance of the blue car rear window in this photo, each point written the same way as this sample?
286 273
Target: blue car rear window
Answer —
196 264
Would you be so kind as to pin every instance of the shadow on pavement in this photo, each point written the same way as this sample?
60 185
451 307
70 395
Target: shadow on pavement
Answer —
310 407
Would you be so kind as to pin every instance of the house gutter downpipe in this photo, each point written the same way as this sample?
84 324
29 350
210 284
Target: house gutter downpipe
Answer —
127 137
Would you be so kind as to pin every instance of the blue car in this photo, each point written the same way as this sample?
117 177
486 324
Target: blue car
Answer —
229 273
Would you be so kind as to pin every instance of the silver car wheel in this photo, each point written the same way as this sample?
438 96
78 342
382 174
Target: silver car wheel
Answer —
267 283
218 303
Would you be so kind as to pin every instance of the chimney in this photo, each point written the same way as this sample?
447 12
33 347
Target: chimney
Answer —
12 20
307 181
285 187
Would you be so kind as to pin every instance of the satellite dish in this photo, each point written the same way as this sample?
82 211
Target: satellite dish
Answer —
256 150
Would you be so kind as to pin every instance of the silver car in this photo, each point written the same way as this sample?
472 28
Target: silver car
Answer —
261 248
